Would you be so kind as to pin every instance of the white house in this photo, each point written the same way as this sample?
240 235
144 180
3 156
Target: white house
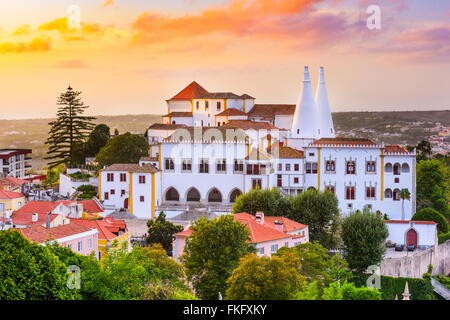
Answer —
14 162
421 234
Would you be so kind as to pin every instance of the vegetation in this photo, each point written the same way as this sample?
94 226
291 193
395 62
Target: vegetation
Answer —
87 191
70 128
443 237
125 148
80 175
213 252
264 278
53 175
363 235
96 140
161 231
270 201
335 291
428 214
443 279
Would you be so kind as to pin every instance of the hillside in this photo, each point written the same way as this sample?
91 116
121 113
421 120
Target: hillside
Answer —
390 127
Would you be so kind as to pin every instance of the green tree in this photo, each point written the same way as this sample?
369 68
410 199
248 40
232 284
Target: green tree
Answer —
270 201
363 235
423 150
264 278
428 214
320 211
161 231
213 252
309 291
30 271
126 148
430 182
97 140
404 195
52 176
70 128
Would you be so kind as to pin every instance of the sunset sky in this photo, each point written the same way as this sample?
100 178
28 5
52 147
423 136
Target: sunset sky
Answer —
128 56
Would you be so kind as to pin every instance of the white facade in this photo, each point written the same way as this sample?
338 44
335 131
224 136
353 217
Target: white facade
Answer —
14 162
425 232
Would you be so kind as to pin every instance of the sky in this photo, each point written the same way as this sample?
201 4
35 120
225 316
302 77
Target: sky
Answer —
129 56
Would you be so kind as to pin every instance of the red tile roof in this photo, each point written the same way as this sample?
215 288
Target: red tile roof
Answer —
184 233
271 110
289 153
344 141
89 206
26 218
16 181
179 114
393 148
5 194
166 126
105 227
406 221
37 207
288 224
231 112
40 234
248 124
191 91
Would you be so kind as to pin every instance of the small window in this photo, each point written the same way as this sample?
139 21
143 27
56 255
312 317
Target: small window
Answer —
261 250
106 196
311 154
330 189
314 167
308 167
197 105
280 167
274 248
296 167
296 180
122 192
350 193
142 179
169 164
221 166
330 166
206 105
350 167
113 191
187 165
141 199
204 166
370 167
110 177
288 167
238 166
80 246
123 177
90 243
219 106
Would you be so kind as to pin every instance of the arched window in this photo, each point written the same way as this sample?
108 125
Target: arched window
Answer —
396 195
388 167
214 195
193 195
397 168
236 193
405 168
172 195
388 193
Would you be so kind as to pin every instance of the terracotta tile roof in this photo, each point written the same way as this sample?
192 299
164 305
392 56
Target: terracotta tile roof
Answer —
184 233
37 207
231 112
40 234
344 141
179 114
105 229
248 124
257 154
290 153
26 218
16 181
260 232
132 167
393 148
148 159
163 126
206 133
246 96
218 95
271 110
288 224
89 206
406 221
191 91
5 194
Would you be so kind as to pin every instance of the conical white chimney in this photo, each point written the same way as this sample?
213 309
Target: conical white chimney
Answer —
304 124
325 121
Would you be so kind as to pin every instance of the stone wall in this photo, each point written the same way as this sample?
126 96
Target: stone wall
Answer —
416 265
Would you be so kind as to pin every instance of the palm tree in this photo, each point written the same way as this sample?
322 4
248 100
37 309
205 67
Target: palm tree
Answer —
404 195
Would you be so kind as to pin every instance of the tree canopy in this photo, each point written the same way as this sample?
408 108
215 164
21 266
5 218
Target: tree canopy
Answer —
212 252
270 201
161 231
428 214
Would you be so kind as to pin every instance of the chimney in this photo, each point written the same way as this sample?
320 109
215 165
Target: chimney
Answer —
324 121
34 217
278 225
48 221
259 217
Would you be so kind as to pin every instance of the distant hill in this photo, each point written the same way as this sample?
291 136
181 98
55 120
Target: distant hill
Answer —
391 127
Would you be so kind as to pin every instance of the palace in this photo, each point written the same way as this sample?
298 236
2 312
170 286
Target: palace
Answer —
213 146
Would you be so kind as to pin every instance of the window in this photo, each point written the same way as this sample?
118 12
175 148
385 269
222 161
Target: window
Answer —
311 154
90 243
219 106
330 188
350 167
197 105
80 246
206 105
286 244
396 169
314 167
256 183
370 192
370 167
204 166
69 246
141 199
249 169
296 167
296 180
106 196
112 191
142 179
274 248
238 166
221 166
350 193
187 165
2 207
330 166
261 250
279 180
110 177
288 167
170 165
280 167
122 192
308 167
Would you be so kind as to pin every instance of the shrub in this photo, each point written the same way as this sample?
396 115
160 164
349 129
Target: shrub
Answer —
428 214
443 237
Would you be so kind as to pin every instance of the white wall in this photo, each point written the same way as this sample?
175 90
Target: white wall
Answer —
426 233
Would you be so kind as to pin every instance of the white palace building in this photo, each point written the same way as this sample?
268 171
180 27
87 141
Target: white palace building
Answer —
213 146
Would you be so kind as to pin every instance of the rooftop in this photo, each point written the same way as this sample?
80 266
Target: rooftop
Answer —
248 124
231 112
190 92
179 114
132 167
40 234
271 110
5 194
344 141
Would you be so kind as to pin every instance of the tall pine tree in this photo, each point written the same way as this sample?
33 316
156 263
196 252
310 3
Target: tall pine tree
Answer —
70 128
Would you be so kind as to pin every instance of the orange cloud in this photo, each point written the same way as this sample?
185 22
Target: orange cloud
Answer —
22 30
108 3
60 25
35 45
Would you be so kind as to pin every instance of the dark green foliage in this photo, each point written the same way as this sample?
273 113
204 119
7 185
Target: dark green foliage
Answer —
270 201
320 211
70 128
443 279
428 214
363 235
30 271
423 150
161 231
213 252
87 191
79 175
443 237
126 148
420 289
96 140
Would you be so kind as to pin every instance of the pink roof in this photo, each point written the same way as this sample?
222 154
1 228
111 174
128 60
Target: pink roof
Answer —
5 194
26 218
406 221
40 234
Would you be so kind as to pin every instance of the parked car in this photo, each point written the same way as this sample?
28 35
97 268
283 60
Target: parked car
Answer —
389 244
411 247
398 247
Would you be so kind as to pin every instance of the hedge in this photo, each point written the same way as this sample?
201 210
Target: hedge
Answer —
420 289
443 237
